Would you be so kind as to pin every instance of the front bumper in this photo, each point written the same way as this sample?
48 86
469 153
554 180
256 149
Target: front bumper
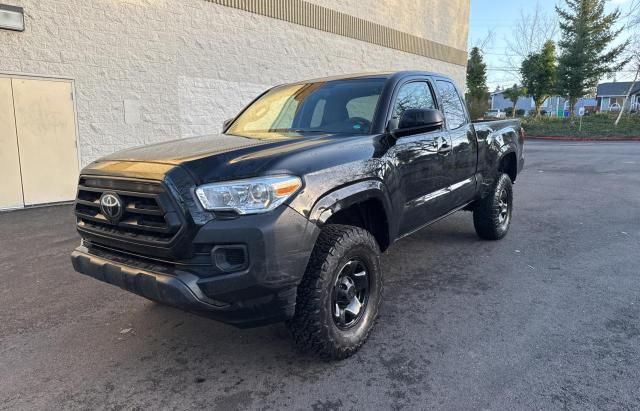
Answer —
278 244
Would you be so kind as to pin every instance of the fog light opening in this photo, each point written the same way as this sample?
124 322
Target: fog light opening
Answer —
230 258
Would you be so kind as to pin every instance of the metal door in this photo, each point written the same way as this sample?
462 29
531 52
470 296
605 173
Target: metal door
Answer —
46 131
10 181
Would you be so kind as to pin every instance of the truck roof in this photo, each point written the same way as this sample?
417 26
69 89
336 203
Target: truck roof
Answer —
378 75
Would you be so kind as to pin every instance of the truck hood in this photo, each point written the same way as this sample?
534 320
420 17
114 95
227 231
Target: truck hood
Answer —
224 157
177 152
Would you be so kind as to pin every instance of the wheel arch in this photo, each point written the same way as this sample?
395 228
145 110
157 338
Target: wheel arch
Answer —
508 162
365 204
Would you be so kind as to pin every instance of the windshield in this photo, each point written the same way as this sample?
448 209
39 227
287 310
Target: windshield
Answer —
341 106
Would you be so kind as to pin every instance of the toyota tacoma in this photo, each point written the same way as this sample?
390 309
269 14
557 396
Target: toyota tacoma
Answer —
283 216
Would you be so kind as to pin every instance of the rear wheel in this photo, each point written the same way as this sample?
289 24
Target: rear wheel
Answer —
340 293
492 214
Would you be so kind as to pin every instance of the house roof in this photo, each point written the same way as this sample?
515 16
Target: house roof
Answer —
618 88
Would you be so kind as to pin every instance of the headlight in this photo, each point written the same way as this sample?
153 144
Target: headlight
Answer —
251 196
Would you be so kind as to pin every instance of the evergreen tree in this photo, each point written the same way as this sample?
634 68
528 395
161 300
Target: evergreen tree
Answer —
478 93
587 33
539 74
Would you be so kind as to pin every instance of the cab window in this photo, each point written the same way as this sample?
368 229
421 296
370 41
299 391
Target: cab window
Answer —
412 95
452 104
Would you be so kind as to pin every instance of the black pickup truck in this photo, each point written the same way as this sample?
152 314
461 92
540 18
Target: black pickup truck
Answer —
284 215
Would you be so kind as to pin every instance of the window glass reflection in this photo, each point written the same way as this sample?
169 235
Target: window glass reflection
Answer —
452 105
413 95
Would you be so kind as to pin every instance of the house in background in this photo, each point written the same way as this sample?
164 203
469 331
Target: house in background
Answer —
554 106
500 102
557 106
590 105
610 96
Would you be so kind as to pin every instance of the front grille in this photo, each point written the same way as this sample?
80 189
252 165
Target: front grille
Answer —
148 214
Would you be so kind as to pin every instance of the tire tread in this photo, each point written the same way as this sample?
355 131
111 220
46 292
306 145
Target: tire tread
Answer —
486 211
309 332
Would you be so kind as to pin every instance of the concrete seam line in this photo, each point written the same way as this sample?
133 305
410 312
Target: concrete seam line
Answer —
332 21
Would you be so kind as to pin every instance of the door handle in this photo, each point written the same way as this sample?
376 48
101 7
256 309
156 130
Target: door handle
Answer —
444 146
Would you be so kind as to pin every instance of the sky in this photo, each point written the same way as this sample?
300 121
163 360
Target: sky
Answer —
496 15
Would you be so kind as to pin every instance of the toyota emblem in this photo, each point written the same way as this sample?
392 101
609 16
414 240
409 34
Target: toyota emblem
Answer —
111 206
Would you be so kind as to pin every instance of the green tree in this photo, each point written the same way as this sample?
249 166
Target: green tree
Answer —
586 53
477 91
513 93
539 74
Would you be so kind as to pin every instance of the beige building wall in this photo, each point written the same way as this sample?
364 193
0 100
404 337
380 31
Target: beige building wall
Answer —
446 22
151 70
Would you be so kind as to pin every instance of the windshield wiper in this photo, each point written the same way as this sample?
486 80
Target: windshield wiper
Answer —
301 130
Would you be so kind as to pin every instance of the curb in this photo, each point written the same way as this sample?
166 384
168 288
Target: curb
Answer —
562 138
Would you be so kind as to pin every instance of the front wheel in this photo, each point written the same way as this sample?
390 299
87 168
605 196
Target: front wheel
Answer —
340 293
492 214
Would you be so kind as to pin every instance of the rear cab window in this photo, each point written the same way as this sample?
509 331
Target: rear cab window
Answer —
452 106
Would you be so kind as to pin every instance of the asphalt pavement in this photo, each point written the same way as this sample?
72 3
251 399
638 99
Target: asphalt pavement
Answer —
547 318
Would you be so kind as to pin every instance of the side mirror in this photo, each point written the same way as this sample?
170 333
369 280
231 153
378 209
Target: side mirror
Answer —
418 120
227 123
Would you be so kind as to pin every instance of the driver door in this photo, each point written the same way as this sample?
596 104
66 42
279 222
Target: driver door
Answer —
422 160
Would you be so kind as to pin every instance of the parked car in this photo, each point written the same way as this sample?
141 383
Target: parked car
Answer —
499 114
284 215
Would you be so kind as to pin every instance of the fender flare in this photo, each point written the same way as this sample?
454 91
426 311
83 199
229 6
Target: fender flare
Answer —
505 150
342 198
490 174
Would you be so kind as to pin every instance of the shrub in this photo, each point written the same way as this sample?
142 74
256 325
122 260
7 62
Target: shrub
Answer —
596 125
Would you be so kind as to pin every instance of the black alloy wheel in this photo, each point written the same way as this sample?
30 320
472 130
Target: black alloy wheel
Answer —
350 294
504 213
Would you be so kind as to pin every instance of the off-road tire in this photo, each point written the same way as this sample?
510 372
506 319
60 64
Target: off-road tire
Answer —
487 213
313 327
